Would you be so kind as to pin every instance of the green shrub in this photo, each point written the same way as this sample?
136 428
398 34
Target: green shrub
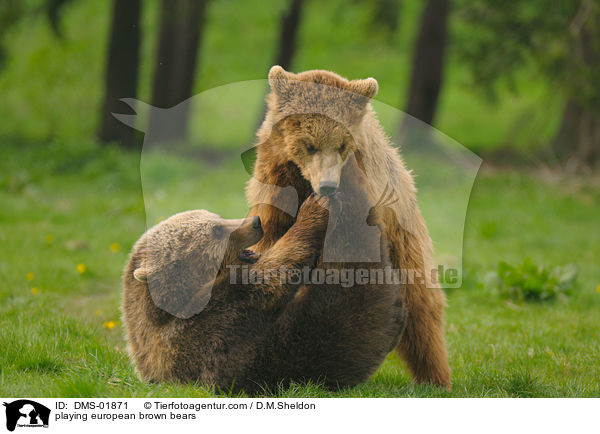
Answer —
530 282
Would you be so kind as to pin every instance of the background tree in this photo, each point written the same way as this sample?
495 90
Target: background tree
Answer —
384 15
288 34
181 27
562 41
54 9
287 41
428 63
122 64
11 11
578 138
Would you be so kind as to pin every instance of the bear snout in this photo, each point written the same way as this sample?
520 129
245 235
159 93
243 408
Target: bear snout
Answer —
327 188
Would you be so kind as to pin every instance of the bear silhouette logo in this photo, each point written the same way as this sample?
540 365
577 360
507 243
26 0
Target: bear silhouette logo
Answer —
26 413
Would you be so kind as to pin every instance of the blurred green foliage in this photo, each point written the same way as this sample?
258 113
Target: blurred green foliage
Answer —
52 87
560 39
530 282
10 12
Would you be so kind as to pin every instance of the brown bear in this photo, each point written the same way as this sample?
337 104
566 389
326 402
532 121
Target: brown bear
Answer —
190 316
314 122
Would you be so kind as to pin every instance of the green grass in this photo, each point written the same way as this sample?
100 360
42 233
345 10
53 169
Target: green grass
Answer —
87 198
66 201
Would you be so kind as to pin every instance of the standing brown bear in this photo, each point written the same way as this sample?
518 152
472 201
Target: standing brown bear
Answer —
314 122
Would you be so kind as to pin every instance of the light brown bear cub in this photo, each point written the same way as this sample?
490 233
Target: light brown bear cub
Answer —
184 324
314 121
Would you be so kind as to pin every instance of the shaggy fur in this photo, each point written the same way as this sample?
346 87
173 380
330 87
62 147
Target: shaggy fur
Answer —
248 336
315 119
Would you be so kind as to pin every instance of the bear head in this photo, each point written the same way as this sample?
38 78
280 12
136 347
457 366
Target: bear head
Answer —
180 258
313 116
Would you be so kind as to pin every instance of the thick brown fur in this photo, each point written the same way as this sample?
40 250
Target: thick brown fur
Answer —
314 120
249 336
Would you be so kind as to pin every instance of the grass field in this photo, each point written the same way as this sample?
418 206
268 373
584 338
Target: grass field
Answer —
71 210
71 213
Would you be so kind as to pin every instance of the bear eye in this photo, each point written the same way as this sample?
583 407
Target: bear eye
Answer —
310 147
218 231
343 147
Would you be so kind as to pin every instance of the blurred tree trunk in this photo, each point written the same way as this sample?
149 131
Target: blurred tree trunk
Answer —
288 34
428 63
577 142
122 66
54 11
287 42
181 26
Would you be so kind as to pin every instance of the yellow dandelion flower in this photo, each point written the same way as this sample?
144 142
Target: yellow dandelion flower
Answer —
598 289
98 312
48 239
109 325
81 268
35 290
29 276
115 247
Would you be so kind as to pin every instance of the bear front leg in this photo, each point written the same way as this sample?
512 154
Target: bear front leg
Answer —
297 249
275 223
275 194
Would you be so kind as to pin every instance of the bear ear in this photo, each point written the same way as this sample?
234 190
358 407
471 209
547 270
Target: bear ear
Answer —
141 274
279 79
367 87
